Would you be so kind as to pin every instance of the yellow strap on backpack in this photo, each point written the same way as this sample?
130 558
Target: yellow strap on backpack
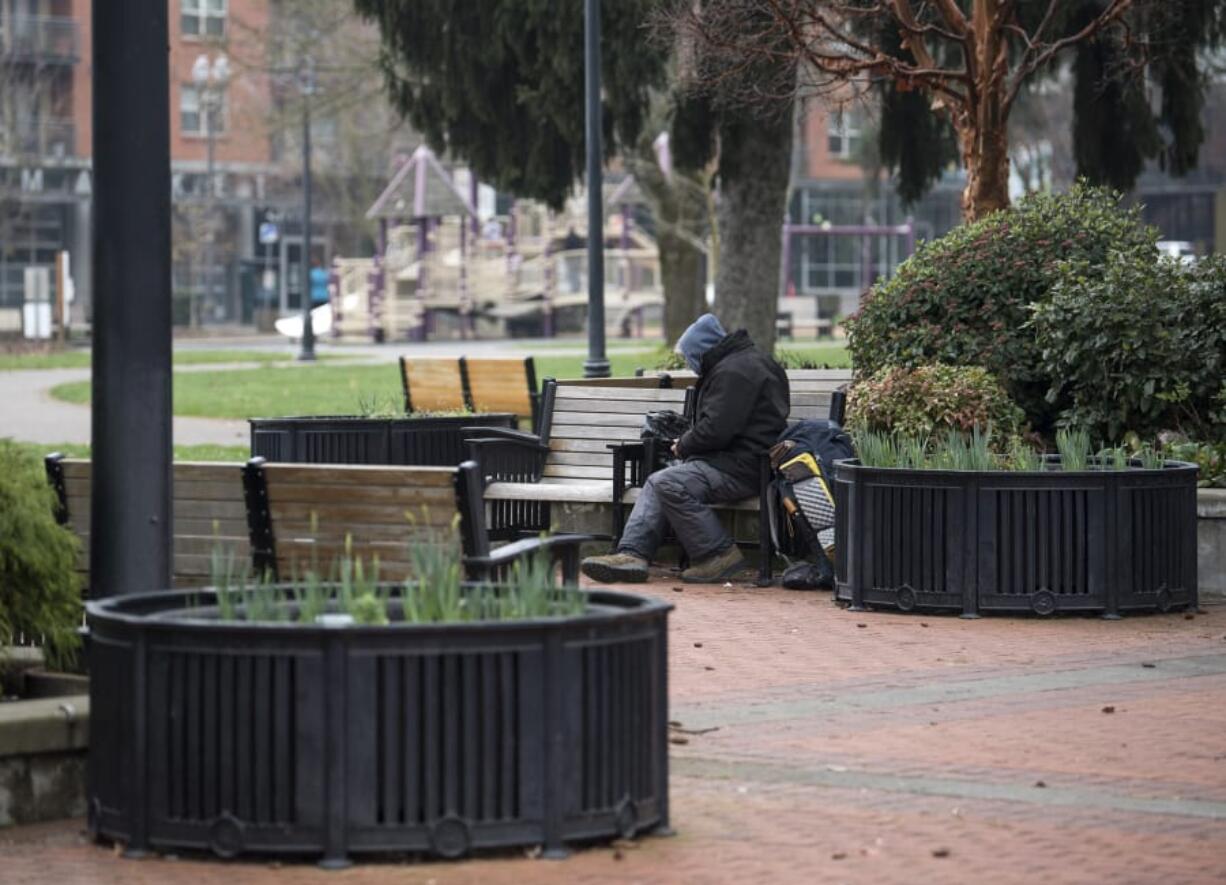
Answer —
807 462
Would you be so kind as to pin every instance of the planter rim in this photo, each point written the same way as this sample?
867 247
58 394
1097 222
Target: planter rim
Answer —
617 605
408 417
1169 468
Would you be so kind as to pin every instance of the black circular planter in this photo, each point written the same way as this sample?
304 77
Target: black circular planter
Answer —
1000 541
301 739
427 441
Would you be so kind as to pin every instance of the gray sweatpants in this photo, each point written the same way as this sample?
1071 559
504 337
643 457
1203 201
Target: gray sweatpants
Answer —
679 496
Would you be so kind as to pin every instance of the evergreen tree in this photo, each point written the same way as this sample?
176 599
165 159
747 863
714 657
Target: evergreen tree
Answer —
500 84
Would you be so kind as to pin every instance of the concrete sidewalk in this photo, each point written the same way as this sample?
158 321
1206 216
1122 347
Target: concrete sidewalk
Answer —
819 745
29 413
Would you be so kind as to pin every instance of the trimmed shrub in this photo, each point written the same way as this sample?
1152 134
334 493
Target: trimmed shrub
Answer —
39 591
929 401
1137 344
966 298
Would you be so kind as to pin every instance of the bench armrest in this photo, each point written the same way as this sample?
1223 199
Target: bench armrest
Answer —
500 433
560 548
519 458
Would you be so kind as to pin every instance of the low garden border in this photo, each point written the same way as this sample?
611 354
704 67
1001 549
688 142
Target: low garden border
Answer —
427 440
282 738
999 541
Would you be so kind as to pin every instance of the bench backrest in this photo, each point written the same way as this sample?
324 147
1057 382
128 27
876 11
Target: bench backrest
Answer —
432 385
482 385
302 515
501 385
642 382
579 422
209 514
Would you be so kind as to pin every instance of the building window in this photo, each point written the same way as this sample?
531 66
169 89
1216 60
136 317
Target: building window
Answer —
843 134
203 18
192 116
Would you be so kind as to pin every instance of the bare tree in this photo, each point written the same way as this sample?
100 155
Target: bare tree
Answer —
970 59
357 133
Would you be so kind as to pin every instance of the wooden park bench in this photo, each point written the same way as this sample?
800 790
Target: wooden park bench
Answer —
309 515
479 385
209 513
787 324
589 451
283 518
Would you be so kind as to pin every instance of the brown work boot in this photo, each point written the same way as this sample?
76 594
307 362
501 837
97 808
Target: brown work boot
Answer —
616 568
715 568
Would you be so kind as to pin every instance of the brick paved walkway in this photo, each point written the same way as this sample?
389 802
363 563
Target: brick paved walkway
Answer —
872 748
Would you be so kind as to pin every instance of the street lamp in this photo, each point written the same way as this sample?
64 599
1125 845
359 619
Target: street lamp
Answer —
210 79
306 85
597 364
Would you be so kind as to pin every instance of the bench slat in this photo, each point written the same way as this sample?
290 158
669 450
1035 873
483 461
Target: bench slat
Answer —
614 394
359 475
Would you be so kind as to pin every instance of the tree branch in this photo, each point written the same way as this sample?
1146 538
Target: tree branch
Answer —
1037 58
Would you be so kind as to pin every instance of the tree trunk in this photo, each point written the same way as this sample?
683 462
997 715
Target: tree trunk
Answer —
683 274
983 129
755 152
679 204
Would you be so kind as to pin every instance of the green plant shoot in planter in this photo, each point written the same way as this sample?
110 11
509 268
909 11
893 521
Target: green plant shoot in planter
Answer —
930 401
40 594
965 299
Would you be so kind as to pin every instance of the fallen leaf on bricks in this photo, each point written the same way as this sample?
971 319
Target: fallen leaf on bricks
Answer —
677 739
940 852
1149 666
839 855
708 668
678 589
1108 709
697 645
1040 784
861 625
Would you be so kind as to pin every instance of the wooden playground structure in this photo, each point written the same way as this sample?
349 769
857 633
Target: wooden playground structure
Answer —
439 272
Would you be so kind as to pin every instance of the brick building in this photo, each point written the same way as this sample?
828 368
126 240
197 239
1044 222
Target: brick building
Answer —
45 156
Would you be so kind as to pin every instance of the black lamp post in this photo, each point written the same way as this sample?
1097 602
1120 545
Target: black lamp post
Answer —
306 83
210 79
130 507
596 365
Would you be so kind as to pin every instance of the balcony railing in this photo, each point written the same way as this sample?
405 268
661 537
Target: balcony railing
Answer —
40 137
39 38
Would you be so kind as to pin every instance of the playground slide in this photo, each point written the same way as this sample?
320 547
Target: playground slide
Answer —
321 322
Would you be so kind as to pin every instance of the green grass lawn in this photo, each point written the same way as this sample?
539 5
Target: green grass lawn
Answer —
79 359
295 389
182 453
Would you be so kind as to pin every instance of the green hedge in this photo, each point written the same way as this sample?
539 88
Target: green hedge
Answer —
966 298
39 589
929 401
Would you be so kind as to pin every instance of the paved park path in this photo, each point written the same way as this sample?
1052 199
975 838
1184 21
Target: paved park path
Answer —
29 413
818 745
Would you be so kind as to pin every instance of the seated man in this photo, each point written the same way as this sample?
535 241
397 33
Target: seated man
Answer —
742 408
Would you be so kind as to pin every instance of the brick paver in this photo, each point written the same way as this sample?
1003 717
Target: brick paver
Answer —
828 746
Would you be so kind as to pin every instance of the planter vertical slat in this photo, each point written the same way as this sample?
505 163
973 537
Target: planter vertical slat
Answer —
1047 541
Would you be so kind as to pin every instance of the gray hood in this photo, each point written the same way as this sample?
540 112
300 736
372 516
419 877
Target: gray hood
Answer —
703 334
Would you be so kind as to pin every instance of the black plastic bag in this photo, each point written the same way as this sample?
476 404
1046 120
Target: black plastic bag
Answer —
660 431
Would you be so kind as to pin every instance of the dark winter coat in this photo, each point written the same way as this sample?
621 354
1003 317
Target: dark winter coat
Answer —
742 407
